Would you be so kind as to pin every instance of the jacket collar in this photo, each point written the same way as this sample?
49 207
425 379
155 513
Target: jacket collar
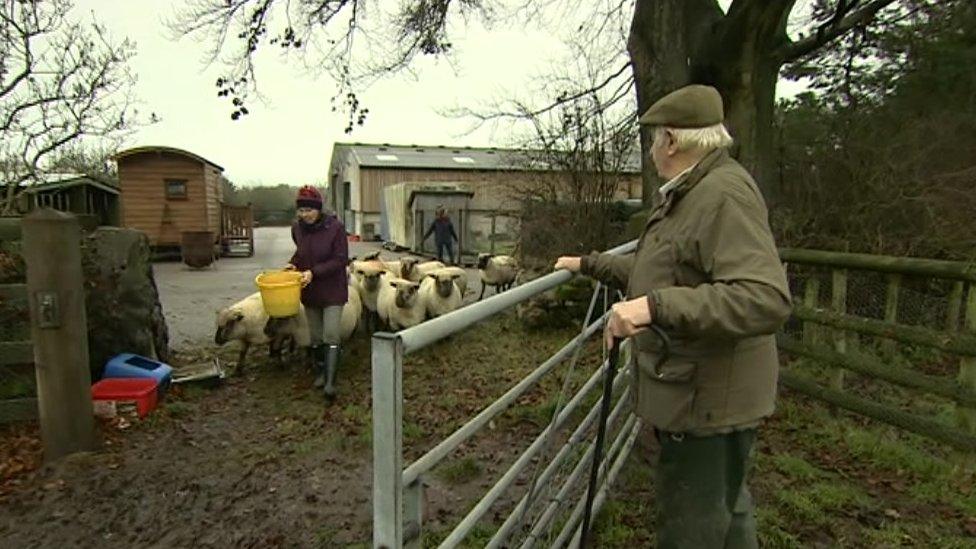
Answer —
685 183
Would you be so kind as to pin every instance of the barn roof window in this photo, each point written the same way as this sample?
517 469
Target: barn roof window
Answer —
387 157
464 160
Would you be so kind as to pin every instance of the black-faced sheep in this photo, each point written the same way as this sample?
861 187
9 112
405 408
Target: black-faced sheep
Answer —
498 271
399 304
461 279
348 320
439 293
411 268
367 279
246 321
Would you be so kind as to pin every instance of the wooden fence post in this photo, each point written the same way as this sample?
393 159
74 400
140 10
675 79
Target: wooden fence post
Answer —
955 306
811 299
59 330
891 308
839 305
967 365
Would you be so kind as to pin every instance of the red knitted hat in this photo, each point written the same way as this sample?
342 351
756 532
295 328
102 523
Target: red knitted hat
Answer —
309 197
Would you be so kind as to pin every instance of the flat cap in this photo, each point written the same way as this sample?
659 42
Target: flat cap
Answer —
693 106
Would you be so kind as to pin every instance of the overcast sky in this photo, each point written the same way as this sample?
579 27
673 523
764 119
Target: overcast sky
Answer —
289 139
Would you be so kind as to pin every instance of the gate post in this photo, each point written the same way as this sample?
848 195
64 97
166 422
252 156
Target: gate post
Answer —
387 368
59 330
967 366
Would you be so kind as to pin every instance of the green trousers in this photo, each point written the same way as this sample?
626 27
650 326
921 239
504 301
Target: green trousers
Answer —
702 498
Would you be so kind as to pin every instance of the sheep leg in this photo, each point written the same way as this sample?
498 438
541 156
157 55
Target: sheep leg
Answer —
242 356
482 296
277 349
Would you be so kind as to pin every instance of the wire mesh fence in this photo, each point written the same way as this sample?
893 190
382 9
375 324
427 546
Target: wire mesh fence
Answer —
926 303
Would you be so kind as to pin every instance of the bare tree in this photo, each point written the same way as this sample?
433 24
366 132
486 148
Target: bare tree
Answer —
577 153
669 43
61 83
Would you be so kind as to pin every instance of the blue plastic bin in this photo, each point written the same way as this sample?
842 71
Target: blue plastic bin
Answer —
131 365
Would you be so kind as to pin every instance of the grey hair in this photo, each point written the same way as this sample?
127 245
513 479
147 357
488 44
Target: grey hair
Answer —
707 138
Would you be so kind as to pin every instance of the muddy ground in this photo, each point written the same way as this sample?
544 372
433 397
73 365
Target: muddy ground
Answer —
260 461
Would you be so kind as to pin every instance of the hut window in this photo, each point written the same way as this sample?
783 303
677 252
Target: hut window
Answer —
175 189
387 157
464 160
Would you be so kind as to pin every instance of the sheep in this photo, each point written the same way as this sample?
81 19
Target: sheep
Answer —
246 321
411 268
498 271
348 320
439 293
421 270
367 279
351 312
461 280
399 304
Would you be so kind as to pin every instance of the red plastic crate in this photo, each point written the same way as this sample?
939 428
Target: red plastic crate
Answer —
140 390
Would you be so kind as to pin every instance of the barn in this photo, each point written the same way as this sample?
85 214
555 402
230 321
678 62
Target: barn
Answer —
360 172
167 191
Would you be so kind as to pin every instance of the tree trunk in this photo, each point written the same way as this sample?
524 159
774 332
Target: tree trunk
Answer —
664 36
673 43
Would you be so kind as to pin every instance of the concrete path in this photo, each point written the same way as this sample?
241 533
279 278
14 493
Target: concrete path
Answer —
191 298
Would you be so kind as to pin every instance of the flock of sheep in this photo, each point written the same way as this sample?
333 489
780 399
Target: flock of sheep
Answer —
391 295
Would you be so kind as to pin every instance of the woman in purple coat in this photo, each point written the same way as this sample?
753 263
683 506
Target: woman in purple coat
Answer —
321 255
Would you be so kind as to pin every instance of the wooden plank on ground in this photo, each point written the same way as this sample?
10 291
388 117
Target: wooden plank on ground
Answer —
16 352
18 409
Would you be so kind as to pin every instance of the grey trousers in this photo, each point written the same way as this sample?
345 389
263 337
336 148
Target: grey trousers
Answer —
323 324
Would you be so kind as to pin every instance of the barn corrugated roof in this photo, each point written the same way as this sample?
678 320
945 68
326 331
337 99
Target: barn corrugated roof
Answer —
373 155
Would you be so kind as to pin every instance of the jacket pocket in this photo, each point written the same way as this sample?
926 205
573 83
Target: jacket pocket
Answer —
667 394
673 370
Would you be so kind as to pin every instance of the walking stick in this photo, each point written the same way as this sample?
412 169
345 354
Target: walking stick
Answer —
601 432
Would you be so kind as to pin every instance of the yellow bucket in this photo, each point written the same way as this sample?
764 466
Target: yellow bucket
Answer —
281 292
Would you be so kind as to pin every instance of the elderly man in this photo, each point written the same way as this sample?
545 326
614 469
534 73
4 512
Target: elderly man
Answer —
706 270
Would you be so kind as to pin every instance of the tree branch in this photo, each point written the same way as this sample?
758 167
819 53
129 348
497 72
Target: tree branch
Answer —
834 28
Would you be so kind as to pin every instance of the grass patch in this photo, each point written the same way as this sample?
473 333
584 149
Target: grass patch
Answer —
179 409
774 530
460 471
412 431
621 524
795 467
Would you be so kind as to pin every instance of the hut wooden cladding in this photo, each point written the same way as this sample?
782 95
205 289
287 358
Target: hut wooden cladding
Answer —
166 191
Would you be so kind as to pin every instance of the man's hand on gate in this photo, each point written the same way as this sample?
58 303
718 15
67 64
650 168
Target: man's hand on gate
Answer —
570 263
627 318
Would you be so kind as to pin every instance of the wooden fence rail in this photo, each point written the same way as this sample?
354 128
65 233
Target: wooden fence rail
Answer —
819 320
913 423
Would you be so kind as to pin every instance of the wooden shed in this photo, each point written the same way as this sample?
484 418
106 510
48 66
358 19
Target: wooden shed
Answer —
168 191
75 193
